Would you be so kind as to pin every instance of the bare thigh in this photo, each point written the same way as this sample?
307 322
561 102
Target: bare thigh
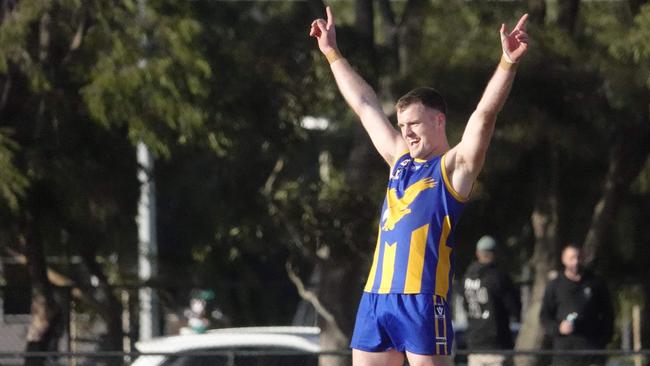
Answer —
388 358
428 360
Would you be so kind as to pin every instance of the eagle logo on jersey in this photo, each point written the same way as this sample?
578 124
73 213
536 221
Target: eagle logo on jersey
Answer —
399 207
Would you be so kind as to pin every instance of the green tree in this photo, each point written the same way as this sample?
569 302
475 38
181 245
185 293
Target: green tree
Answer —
80 88
218 91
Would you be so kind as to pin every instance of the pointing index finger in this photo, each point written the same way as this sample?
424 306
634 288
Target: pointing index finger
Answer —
330 17
521 24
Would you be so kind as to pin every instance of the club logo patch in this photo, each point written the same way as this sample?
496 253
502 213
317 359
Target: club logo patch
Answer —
439 311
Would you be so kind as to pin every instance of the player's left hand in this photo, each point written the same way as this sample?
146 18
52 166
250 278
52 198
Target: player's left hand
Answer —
515 43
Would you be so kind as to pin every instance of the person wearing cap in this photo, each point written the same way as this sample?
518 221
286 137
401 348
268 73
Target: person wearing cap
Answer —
491 301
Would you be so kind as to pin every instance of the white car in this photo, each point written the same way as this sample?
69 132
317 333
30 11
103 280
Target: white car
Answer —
265 346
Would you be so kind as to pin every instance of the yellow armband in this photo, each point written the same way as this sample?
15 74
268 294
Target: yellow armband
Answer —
333 55
507 65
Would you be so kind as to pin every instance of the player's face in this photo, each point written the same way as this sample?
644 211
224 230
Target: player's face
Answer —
422 129
571 259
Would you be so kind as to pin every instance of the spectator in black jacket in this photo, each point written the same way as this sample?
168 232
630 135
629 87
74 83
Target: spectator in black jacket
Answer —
576 311
491 301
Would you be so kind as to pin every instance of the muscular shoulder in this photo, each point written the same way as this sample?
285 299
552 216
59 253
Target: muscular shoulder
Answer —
459 180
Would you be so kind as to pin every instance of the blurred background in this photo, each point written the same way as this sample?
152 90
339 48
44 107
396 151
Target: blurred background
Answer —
177 164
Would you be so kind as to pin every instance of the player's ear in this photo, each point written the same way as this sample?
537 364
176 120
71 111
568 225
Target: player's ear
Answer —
441 119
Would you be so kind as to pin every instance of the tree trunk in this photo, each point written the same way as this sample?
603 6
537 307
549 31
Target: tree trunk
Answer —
42 334
537 11
410 33
339 293
635 6
390 59
625 163
361 148
6 7
645 317
6 87
111 309
544 221
364 24
317 8
567 13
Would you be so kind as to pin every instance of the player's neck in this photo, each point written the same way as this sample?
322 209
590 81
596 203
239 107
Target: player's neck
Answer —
437 151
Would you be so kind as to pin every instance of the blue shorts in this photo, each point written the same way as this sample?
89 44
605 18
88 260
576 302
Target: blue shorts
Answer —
417 323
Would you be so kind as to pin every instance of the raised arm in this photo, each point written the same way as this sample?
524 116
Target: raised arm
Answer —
465 161
357 93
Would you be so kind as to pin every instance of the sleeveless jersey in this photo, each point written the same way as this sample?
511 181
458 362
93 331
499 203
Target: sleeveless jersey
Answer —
414 252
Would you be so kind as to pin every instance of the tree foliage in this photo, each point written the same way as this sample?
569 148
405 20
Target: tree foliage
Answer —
219 90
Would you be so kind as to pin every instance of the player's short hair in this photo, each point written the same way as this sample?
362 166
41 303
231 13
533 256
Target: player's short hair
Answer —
572 245
429 97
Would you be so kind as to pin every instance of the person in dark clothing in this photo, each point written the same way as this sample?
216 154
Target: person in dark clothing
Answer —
491 301
576 311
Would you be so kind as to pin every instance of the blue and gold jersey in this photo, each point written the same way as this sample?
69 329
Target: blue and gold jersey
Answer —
415 240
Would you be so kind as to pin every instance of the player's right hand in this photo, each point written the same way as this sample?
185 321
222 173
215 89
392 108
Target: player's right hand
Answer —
324 32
